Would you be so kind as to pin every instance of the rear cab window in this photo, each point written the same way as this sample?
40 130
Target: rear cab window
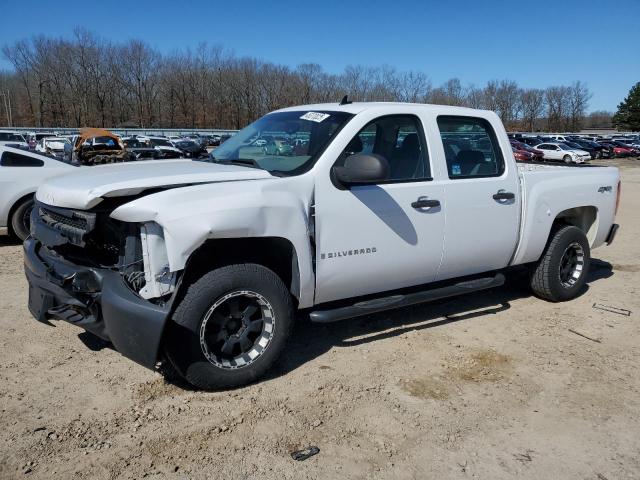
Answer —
471 147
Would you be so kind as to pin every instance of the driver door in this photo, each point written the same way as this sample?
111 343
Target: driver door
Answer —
375 238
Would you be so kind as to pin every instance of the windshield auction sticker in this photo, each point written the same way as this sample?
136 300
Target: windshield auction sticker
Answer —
315 116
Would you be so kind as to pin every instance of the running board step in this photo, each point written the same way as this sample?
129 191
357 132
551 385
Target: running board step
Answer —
397 301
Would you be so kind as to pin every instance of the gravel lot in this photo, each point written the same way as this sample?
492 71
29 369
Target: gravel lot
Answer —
492 385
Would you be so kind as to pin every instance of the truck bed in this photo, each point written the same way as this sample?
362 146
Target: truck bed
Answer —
549 191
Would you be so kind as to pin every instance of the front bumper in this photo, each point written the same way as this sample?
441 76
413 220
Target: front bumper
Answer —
95 299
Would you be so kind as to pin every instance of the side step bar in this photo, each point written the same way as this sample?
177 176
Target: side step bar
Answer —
397 301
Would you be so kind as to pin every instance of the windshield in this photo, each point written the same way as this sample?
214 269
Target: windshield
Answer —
55 141
283 142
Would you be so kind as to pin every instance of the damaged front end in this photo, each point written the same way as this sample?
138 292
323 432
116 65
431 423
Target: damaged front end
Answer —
109 277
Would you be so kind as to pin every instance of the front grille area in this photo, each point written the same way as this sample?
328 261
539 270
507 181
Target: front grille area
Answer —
88 238
72 224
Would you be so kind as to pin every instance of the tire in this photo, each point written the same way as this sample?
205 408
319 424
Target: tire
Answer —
567 159
561 272
20 219
214 343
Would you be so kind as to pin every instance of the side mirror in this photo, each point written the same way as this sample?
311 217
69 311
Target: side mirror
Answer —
362 168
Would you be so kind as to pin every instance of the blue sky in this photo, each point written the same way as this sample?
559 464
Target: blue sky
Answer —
537 44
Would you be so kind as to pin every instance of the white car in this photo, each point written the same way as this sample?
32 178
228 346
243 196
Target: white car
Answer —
56 146
562 152
12 138
208 264
21 172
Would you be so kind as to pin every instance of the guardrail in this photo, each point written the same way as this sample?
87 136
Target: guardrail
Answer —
127 131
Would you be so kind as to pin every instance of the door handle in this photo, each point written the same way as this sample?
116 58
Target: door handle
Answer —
425 203
502 195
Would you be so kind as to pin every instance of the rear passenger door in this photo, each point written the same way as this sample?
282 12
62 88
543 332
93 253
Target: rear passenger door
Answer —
482 198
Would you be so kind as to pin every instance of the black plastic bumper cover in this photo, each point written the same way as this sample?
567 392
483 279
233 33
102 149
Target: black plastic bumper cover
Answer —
612 233
95 299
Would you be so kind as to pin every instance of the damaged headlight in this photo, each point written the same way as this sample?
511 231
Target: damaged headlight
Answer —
158 279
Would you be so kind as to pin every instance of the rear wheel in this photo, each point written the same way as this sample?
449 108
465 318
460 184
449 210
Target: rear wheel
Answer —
231 327
561 272
21 219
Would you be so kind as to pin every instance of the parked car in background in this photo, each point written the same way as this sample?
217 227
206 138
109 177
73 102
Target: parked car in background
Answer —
13 139
521 155
21 173
632 150
199 139
618 149
631 142
591 151
165 147
140 150
531 141
598 150
56 146
537 154
191 149
277 146
97 146
563 152
35 137
211 140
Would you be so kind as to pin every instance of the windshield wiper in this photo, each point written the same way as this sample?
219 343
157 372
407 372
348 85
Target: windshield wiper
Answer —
243 162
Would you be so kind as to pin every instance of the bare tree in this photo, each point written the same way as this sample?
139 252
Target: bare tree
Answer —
86 80
532 104
579 97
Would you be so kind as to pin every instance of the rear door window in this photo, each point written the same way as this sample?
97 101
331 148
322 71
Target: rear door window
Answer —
471 147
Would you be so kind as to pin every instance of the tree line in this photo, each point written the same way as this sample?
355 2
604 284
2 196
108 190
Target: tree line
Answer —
88 81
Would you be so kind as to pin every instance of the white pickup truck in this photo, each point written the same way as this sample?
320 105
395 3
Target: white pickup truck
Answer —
203 265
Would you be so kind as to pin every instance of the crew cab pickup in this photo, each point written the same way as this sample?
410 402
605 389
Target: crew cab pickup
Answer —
204 265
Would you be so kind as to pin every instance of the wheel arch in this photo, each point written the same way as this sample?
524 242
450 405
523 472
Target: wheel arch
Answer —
585 218
275 253
13 208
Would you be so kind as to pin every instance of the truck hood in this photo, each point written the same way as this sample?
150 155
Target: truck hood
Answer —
87 187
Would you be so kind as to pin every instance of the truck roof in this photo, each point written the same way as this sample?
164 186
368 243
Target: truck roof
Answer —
358 107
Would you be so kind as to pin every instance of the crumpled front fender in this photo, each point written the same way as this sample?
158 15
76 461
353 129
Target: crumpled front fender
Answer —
256 208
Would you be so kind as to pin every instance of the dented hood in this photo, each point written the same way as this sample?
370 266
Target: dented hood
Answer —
87 187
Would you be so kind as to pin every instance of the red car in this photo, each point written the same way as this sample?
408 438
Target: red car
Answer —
537 155
619 149
522 155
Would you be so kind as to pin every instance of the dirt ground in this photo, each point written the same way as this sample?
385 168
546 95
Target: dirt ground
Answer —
490 386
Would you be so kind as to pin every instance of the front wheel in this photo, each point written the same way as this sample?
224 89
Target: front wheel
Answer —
561 272
21 219
567 158
230 327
